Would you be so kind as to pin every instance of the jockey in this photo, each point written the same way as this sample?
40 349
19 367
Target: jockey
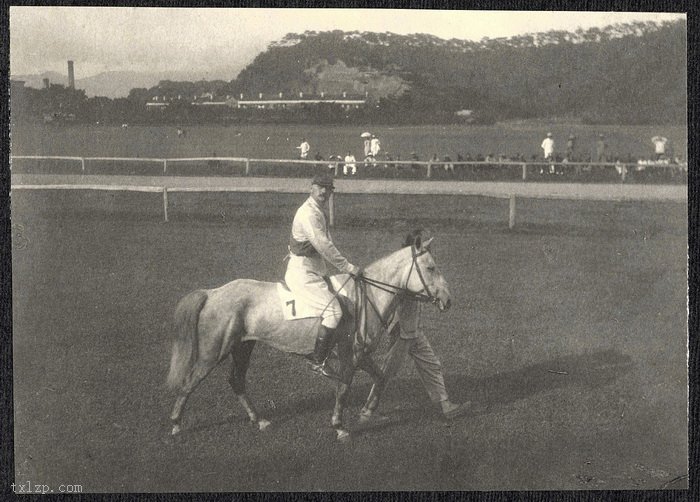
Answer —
310 247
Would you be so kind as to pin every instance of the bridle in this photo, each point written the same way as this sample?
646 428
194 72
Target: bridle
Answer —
404 291
362 298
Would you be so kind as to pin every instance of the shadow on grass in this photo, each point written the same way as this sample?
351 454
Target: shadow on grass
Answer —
591 370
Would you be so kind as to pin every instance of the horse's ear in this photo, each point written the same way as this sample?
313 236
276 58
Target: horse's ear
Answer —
426 244
417 242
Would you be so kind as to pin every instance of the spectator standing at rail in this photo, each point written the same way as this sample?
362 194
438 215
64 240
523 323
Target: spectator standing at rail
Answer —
335 160
409 340
318 156
548 147
304 149
571 148
620 167
350 164
601 149
414 156
449 166
375 146
659 146
368 146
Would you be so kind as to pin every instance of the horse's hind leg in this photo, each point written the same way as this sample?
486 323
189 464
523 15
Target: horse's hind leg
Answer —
240 360
199 372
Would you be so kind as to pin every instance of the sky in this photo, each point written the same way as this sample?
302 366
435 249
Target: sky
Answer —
212 41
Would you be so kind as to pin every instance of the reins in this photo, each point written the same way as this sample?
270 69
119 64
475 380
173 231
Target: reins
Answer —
362 298
403 291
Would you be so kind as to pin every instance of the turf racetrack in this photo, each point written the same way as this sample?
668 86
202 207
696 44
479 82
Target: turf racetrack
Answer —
570 329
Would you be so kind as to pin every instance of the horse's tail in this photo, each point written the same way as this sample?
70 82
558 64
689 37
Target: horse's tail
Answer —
186 340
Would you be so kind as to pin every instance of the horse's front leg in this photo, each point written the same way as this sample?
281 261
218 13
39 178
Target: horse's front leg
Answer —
346 372
369 365
341 395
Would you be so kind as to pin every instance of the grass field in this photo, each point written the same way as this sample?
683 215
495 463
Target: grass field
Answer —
571 329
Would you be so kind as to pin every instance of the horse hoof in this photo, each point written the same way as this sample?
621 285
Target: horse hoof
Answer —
263 424
342 435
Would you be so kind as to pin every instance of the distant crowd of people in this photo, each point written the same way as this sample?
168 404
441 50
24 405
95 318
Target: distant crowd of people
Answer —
599 153
348 163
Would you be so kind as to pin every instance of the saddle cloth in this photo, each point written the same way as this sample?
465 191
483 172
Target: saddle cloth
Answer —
295 307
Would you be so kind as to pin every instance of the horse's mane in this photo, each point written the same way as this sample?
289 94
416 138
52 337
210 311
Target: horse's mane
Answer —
381 263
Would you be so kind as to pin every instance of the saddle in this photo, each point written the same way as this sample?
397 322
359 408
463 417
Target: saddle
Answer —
296 307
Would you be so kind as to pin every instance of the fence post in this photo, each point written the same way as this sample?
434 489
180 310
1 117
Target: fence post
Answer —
247 167
623 172
165 203
165 165
331 210
524 172
511 216
430 168
335 170
82 164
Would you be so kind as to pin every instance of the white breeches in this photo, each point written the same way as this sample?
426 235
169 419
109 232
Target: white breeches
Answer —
313 290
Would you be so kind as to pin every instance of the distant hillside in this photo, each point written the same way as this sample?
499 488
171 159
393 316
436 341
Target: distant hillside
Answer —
117 84
631 73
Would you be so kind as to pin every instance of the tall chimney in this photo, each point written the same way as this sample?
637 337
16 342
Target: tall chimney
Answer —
71 76
46 83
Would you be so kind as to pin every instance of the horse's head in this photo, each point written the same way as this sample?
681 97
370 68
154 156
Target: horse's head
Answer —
425 276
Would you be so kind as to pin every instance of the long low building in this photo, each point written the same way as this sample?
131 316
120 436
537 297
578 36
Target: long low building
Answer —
286 103
260 103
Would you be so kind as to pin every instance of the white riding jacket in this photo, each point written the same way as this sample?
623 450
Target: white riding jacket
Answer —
311 225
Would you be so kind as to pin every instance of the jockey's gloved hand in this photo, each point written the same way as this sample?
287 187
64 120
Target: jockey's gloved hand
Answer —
355 271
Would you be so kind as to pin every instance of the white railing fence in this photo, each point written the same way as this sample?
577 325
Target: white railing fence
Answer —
166 190
677 194
149 189
526 168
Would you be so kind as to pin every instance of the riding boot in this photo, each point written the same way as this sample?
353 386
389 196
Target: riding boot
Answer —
325 340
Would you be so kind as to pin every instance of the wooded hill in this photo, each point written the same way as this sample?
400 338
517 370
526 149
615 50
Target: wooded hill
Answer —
624 73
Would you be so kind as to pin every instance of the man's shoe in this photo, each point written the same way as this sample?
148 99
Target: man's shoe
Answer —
460 410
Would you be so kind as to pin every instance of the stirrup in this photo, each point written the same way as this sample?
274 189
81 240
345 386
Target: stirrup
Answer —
322 369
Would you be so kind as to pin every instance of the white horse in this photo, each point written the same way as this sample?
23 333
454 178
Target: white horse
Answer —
212 324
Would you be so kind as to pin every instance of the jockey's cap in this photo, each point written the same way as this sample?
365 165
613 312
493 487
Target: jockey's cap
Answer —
323 180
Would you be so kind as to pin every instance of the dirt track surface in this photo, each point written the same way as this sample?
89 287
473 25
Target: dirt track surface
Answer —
575 191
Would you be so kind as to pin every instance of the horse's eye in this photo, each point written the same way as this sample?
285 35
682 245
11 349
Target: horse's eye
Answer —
431 269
